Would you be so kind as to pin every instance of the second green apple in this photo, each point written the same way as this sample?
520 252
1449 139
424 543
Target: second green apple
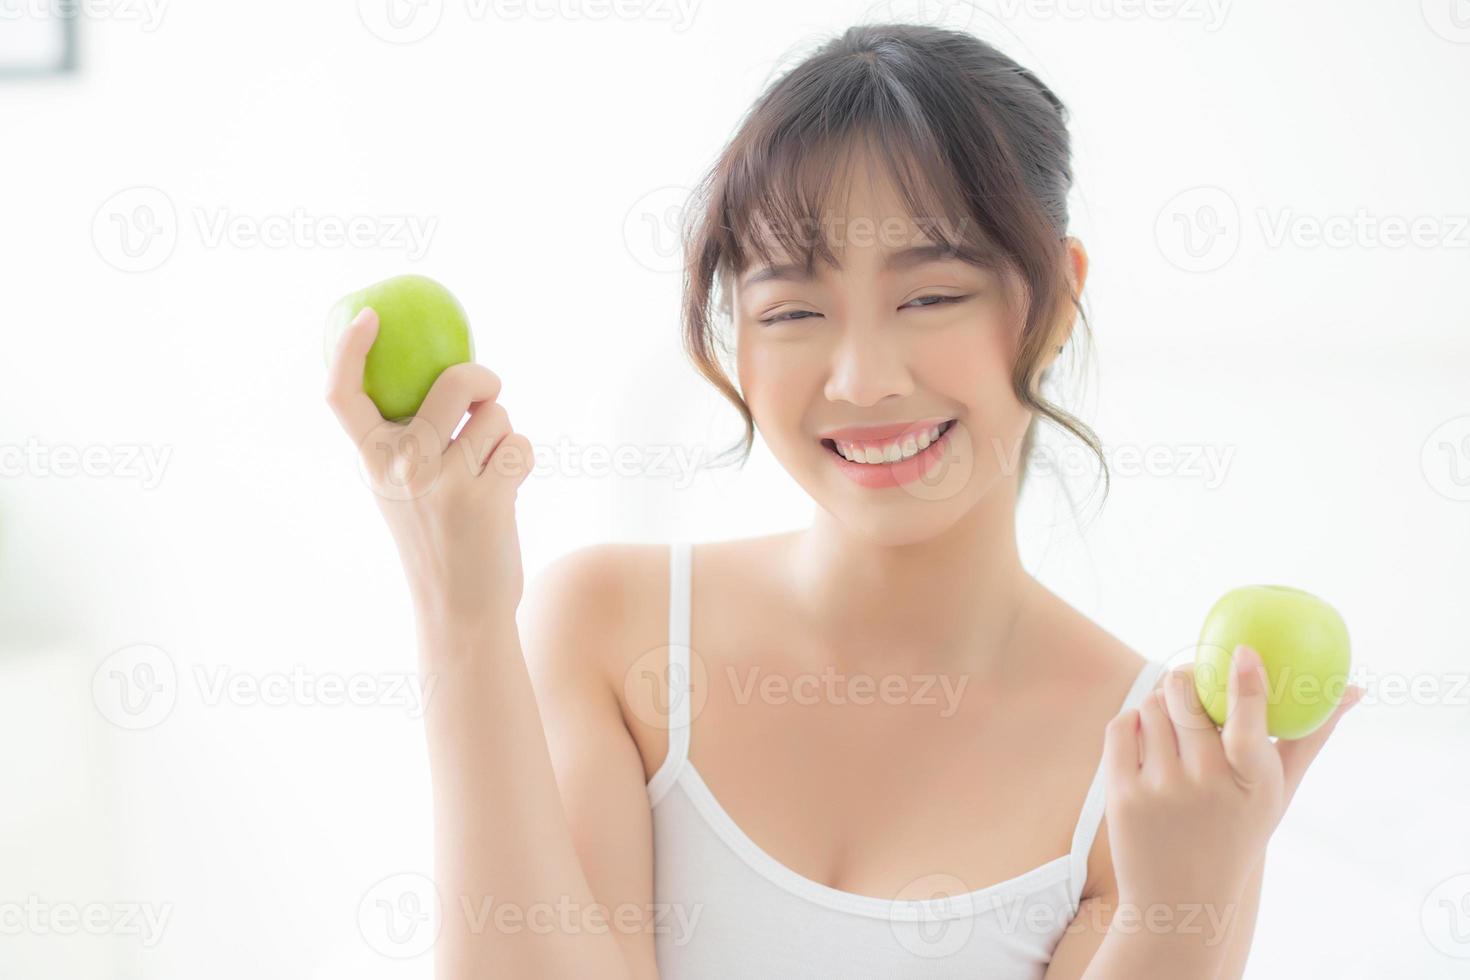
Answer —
422 329
1303 644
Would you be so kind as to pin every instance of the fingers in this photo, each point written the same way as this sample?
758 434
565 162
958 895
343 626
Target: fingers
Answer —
1160 746
1120 748
491 449
1297 753
511 462
353 408
1247 745
489 423
457 388
1199 741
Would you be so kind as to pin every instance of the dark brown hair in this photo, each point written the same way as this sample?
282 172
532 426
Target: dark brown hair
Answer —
977 145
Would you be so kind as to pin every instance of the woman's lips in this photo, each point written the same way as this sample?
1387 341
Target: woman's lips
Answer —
898 472
882 433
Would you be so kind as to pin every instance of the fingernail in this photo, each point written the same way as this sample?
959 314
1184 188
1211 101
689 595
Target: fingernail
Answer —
1245 659
362 315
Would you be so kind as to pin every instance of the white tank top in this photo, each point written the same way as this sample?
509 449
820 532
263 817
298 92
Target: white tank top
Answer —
727 910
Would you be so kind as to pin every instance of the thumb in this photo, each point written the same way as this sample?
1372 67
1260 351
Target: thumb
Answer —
1244 737
1297 753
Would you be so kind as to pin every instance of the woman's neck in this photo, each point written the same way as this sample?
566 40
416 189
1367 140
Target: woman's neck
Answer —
950 601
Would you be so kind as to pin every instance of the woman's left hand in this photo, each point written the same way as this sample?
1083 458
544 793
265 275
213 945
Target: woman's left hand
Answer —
1190 807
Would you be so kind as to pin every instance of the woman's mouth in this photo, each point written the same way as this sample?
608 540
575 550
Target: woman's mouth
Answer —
894 461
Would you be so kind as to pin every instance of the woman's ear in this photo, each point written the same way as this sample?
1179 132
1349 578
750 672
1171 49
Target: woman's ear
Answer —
1076 264
1077 279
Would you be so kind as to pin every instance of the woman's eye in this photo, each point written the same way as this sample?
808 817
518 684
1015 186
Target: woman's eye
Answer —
789 315
934 300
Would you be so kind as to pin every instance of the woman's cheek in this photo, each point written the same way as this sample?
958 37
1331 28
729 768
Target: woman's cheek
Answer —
969 365
774 381
973 367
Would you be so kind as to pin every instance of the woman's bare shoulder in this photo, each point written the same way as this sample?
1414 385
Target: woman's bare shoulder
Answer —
595 598
1092 673
597 619
1079 650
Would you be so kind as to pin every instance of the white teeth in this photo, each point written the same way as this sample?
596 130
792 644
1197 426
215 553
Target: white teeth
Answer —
892 452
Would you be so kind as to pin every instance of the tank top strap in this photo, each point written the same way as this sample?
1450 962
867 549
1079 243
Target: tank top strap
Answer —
1095 802
677 692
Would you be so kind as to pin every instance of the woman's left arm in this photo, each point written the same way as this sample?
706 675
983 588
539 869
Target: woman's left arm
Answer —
1189 807
1242 928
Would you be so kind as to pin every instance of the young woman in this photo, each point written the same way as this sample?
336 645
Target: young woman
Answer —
874 747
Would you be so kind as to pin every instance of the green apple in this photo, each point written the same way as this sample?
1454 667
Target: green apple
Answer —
422 330
1303 644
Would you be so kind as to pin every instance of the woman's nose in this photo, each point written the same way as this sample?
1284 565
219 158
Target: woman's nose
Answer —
867 367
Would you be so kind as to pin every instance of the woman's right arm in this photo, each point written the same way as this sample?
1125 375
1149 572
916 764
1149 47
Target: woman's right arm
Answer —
515 899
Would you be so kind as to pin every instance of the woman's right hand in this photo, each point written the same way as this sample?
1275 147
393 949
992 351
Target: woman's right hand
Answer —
449 503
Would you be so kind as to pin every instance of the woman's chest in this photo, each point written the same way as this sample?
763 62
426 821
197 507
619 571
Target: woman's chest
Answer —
870 783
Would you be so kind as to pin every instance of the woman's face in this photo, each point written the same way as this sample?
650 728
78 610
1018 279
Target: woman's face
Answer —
893 338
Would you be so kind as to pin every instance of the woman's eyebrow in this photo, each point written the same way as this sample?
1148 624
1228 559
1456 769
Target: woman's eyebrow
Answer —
783 272
904 258
907 258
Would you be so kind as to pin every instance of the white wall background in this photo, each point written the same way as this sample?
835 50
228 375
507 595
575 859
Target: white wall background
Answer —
538 142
